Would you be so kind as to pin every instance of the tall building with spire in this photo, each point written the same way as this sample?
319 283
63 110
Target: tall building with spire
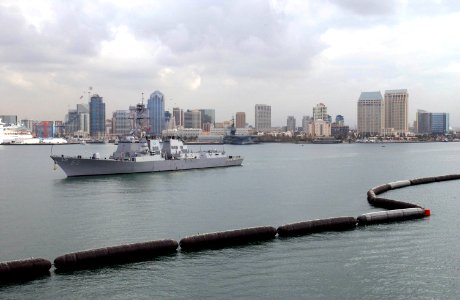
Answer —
96 116
396 111
156 108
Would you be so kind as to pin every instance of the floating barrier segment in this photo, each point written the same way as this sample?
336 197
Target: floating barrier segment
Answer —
381 189
423 180
391 216
24 269
391 204
399 184
315 226
114 255
228 238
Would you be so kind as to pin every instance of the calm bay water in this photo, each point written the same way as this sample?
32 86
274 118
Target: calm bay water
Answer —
44 214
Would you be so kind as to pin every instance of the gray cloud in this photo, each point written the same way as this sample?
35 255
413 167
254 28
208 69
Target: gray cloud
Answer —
227 55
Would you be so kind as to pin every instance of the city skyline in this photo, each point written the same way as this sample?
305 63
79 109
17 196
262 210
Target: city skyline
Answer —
228 55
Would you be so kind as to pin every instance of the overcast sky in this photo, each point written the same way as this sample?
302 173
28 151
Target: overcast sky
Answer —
228 55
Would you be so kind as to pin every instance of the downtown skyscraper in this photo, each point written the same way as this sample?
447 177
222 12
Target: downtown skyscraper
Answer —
396 111
263 117
371 113
156 108
96 116
240 121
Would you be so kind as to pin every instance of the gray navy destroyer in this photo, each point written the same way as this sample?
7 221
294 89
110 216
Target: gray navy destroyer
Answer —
138 154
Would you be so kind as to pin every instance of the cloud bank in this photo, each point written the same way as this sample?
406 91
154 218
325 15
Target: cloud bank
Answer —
228 55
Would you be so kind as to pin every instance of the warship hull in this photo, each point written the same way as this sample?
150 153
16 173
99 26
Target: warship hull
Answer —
76 166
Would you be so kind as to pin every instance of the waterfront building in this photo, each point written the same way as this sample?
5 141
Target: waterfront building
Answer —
370 113
320 112
9 119
305 121
423 122
96 117
192 119
29 124
263 117
59 129
319 128
208 116
240 120
184 133
439 123
290 126
396 110
339 120
178 116
122 123
43 129
156 110
77 121
339 131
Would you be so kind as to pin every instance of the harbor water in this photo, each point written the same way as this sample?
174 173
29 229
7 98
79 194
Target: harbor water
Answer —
44 214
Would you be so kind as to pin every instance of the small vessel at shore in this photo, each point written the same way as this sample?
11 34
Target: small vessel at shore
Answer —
138 154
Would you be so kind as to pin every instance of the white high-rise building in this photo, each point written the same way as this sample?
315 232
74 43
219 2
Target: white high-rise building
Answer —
371 113
396 111
320 112
263 117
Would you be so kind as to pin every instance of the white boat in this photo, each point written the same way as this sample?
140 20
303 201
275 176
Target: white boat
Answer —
137 154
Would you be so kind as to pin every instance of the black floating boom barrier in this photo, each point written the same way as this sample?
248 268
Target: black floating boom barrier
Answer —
35 267
391 216
228 238
320 225
391 204
114 255
24 269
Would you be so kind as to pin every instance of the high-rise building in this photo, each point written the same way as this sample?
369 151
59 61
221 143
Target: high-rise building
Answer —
396 110
178 116
121 122
240 120
423 122
305 121
370 113
263 117
192 119
208 118
156 108
320 112
439 123
290 124
9 119
96 116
